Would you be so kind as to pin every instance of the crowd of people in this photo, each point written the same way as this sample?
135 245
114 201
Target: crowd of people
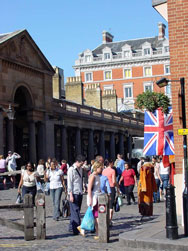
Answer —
115 178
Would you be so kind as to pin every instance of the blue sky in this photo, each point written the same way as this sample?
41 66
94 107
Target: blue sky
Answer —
64 28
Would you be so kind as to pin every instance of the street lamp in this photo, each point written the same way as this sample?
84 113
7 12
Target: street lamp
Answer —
10 112
161 83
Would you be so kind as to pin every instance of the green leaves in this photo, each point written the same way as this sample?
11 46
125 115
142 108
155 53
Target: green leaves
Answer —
153 100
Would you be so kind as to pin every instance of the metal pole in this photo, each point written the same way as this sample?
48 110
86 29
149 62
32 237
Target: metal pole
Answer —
185 192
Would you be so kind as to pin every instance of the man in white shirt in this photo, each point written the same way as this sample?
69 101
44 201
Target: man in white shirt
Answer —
75 191
11 162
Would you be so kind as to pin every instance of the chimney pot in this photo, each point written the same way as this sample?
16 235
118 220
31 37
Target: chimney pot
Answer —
107 37
162 28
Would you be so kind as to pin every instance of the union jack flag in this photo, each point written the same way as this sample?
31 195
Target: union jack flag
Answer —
158 133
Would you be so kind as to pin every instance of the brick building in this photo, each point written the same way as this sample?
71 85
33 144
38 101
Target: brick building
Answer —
176 13
125 68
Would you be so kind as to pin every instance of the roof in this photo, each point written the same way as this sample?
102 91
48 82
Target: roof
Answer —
136 44
6 36
158 2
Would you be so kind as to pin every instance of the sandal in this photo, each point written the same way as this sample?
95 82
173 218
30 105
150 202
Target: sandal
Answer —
96 237
82 232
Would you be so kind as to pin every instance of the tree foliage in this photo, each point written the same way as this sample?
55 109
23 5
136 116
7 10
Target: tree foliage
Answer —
153 100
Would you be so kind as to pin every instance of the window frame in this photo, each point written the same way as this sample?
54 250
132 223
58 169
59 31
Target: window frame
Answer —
166 65
145 50
105 75
107 53
148 84
128 85
124 73
91 77
144 71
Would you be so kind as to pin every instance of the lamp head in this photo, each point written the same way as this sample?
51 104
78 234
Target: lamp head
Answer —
162 82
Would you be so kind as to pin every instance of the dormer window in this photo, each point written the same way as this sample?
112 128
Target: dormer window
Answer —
127 54
147 51
166 49
88 58
106 56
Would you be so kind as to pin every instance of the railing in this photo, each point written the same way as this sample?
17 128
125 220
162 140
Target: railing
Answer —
120 56
83 110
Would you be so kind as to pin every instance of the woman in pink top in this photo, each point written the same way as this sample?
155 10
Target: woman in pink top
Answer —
109 172
129 178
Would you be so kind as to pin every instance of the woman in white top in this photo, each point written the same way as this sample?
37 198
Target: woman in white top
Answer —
28 181
55 176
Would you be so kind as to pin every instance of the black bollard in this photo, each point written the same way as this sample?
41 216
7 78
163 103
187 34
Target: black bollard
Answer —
171 217
185 211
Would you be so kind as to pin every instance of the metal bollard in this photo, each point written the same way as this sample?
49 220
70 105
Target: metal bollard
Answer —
171 217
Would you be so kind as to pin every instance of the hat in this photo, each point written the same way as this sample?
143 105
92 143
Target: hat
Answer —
9 152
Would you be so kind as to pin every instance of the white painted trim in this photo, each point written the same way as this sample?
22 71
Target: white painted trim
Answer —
165 69
108 87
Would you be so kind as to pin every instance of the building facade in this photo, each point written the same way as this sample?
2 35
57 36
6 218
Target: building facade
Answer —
126 68
176 12
45 124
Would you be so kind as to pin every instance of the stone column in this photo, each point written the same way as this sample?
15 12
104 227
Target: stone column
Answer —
121 143
64 150
32 142
129 146
112 146
102 144
90 146
41 141
50 149
78 142
2 134
10 134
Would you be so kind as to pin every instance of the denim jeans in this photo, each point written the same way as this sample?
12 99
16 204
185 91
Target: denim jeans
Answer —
156 195
165 179
29 190
56 198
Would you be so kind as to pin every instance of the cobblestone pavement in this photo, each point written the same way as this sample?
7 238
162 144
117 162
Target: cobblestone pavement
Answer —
58 237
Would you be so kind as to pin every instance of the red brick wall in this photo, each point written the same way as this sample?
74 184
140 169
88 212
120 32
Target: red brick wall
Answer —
178 39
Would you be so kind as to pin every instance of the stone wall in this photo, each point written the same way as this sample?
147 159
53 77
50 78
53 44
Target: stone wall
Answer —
93 95
58 82
109 100
74 90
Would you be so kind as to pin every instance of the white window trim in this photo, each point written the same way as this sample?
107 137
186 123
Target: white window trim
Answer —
87 55
165 69
169 95
125 86
108 87
108 78
124 73
88 81
147 55
144 71
148 84
107 59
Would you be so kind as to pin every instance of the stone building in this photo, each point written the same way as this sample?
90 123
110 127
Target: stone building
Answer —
45 124
176 13
127 68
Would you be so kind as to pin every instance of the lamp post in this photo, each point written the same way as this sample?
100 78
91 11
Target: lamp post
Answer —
10 114
161 83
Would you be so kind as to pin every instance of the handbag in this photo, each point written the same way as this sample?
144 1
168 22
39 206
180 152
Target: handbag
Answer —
65 208
88 222
120 200
116 205
19 199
